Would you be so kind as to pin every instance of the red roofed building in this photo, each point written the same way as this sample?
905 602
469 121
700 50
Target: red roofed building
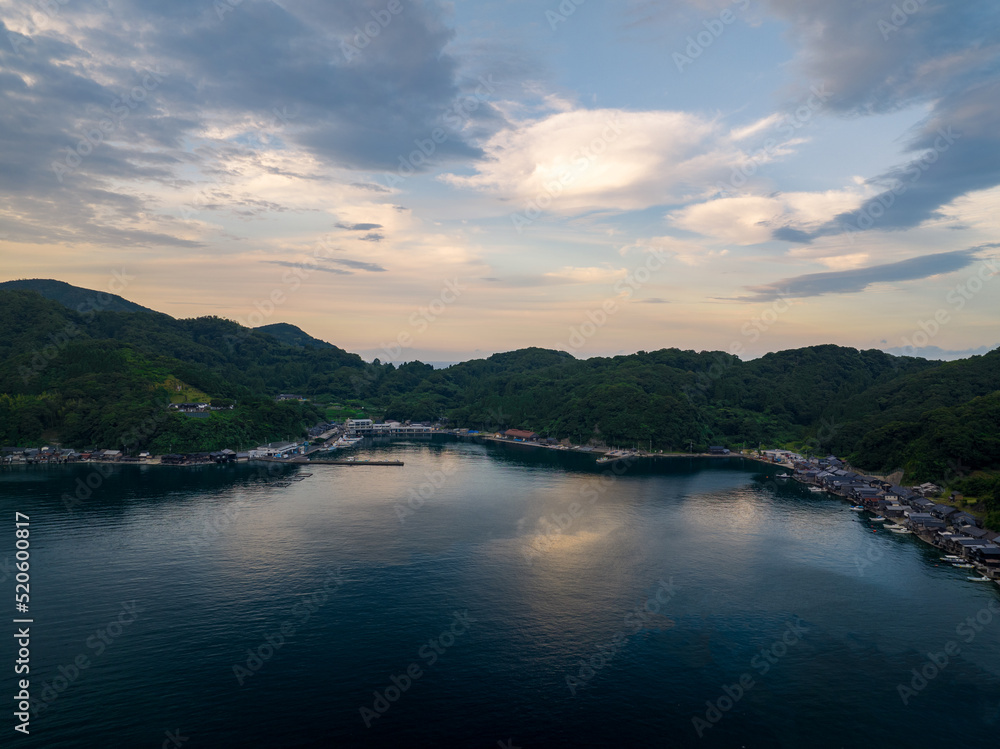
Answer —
519 434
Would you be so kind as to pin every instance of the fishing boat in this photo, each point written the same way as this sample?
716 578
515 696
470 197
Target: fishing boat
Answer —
783 476
858 508
901 531
978 579
815 489
964 566
878 519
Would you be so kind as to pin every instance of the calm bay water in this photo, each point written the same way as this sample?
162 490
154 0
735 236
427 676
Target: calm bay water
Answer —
527 599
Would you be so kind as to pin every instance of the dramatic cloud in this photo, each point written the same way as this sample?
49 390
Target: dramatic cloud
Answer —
581 160
100 102
878 58
853 281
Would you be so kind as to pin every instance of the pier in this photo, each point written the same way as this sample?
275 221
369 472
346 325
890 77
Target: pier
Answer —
357 462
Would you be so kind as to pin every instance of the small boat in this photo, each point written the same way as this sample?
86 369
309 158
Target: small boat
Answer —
951 558
978 579
857 508
783 476
901 531
878 519
815 489
964 566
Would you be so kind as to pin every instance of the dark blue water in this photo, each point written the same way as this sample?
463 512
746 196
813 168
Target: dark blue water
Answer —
530 597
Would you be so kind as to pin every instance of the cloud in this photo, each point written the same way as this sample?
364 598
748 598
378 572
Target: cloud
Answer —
877 58
359 227
602 159
308 266
859 279
138 100
752 219
357 264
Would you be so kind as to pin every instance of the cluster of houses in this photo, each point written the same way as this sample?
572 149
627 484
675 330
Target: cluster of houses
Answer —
368 428
57 455
943 525
34 455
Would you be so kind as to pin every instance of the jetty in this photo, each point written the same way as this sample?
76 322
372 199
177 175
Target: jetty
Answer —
349 462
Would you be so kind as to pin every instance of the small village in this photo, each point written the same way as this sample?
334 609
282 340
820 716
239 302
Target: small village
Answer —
901 510
896 509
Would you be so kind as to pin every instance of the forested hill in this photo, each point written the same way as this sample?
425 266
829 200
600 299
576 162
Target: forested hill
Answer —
293 336
75 297
87 378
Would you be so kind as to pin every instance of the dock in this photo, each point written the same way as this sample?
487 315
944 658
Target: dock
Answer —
358 462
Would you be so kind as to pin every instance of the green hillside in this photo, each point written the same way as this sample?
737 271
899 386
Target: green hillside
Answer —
74 297
293 336
89 378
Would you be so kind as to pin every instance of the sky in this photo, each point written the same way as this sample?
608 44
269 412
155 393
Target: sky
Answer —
416 179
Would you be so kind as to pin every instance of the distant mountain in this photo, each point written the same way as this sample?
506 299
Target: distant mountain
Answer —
98 378
293 336
75 297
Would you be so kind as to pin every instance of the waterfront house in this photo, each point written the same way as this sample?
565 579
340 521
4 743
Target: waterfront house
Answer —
988 555
520 435
925 522
963 518
359 426
973 532
943 511
276 450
